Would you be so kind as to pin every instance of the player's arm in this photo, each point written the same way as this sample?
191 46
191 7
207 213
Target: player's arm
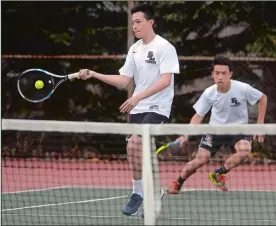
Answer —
261 116
161 84
169 65
262 109
121 80
196 119
253 96
202 106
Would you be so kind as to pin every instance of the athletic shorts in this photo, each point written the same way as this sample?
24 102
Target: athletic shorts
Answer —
147 118
213 143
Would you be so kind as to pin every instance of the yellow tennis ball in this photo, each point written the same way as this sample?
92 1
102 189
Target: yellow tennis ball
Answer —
39 84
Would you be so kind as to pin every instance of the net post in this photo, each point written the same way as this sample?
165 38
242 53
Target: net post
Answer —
147 175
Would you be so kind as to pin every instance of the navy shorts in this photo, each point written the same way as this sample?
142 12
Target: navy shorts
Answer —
147 118
213 143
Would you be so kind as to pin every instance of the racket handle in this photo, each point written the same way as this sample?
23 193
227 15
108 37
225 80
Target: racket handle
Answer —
175 144
73 76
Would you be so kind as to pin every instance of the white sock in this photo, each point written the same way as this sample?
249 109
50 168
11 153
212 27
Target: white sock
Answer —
137 187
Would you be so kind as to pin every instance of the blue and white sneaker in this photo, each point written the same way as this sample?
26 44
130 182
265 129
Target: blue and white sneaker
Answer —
133 206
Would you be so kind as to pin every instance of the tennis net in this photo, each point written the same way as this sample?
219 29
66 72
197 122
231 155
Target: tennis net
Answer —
77 173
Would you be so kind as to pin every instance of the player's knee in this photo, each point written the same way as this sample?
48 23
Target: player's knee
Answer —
133 144
203 161
243 148
203 156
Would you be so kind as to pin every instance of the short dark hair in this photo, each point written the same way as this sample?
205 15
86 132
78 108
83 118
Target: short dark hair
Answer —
147 9
222 60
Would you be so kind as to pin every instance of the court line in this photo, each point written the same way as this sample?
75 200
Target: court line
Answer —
53 215
65 203
160 218
102 187
183 190
61 187
35 190
222 219
214 189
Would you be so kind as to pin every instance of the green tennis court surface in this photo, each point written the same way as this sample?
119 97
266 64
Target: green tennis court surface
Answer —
102 206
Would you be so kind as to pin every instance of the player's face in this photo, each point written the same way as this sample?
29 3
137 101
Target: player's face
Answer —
140 25
222 75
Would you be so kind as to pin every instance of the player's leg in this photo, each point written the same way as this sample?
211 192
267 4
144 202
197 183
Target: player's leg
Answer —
135 164
218 176
135 161
242 145
203 155
134 150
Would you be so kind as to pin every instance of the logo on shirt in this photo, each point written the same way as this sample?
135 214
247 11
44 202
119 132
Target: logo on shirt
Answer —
154 107
235 102
151 59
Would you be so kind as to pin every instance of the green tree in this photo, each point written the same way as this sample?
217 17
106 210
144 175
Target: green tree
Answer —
236 28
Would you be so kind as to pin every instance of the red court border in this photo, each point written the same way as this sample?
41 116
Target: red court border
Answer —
25 175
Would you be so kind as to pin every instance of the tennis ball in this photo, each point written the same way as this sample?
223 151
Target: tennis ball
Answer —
39 84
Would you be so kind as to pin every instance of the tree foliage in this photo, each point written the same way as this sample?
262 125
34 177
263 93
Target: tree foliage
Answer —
237 28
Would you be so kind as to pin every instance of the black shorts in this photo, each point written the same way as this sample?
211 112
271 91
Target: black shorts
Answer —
147 118
213 143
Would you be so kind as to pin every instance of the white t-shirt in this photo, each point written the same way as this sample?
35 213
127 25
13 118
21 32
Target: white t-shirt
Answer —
230 107
146 63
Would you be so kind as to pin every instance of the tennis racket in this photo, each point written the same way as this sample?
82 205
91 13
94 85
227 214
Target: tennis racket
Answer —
165 146
37 85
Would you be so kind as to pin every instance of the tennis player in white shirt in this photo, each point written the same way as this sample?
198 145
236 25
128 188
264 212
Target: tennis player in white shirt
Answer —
152 62
228 100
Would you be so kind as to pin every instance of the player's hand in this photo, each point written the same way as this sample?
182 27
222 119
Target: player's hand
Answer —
129 104
85 74
182 140
260 138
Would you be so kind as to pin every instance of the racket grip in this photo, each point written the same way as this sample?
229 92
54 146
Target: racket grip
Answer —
73 76
175 144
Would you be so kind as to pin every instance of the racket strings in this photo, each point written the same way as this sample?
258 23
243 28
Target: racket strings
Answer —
26 85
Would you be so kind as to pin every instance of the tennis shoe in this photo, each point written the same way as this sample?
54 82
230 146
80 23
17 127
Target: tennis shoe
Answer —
219 180
174 189
133 206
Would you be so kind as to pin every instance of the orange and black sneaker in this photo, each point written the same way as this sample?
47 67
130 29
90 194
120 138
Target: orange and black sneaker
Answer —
219 180
174 189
